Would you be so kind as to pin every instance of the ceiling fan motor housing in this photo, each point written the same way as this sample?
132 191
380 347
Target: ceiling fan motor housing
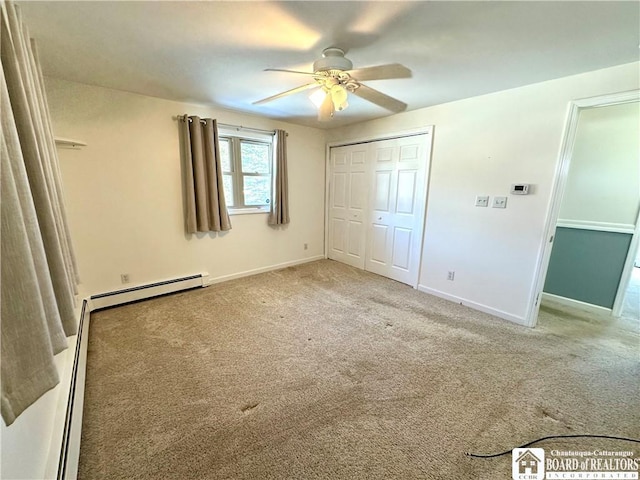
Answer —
332 59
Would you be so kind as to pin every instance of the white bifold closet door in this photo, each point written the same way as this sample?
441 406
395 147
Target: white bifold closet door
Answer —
347 204
377 205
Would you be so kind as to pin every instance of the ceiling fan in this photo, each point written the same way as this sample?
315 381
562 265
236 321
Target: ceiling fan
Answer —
334 78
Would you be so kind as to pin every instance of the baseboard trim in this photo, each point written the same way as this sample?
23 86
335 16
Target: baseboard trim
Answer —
564 302
475 305
256 271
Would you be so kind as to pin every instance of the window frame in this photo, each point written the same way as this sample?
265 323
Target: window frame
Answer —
235 139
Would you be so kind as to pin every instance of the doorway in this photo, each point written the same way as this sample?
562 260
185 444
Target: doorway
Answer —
629 315
592 230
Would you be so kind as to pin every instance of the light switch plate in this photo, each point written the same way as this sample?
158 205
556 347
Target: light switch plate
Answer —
499 202
482 200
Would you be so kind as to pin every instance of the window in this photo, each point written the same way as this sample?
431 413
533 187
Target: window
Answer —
247 166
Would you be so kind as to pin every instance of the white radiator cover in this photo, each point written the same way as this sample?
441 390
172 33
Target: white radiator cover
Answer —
141 292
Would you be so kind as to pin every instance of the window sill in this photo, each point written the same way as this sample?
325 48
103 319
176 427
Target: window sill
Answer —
248 211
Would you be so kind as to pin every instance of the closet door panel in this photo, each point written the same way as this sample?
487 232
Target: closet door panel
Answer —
396 220
348 194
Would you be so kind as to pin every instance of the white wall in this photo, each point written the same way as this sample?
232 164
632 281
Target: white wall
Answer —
602 183
124 192
481 146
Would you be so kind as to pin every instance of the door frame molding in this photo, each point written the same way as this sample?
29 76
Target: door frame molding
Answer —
423 130
627 270
558 189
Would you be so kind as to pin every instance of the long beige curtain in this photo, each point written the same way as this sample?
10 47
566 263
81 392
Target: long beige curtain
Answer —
279 214
38 271
206 208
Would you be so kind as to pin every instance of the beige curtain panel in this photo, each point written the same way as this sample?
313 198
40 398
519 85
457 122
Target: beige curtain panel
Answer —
279 214
206 209
38 270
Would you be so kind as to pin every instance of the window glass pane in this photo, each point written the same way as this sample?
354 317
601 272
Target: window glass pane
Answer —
225 154
255 157
227 180
257 190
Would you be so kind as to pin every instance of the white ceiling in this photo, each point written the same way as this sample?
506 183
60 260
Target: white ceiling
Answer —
214 52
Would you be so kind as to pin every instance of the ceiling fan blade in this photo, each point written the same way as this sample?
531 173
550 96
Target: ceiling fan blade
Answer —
325 112
380 72
288 92
379 98
290 71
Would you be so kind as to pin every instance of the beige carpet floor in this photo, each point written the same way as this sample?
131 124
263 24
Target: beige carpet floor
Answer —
323 371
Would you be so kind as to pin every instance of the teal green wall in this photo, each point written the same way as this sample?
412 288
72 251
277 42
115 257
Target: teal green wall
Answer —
586 265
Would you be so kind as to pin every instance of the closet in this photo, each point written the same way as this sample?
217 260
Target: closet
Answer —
377 201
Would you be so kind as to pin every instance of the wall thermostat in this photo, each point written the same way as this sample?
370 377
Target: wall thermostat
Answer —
520 189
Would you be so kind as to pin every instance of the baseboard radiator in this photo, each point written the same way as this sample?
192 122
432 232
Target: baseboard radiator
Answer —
141 292
70 448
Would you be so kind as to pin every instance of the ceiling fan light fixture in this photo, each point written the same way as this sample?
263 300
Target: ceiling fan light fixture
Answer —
339 97
317 97
326 110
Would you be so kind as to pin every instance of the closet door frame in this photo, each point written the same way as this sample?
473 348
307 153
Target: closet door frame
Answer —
426 130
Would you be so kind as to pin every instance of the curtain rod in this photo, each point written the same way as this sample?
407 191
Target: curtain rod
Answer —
235 127
248 129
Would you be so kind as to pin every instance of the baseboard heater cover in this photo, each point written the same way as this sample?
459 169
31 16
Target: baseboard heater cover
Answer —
70 447
141 292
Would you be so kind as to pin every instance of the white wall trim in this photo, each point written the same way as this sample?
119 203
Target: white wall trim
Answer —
474 305
560 181
597 226
563 302
608 100
255 271
327 196
625 277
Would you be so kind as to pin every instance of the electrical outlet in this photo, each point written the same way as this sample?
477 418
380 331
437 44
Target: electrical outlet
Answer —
306 246
482 200
451 275
124 277
499 202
